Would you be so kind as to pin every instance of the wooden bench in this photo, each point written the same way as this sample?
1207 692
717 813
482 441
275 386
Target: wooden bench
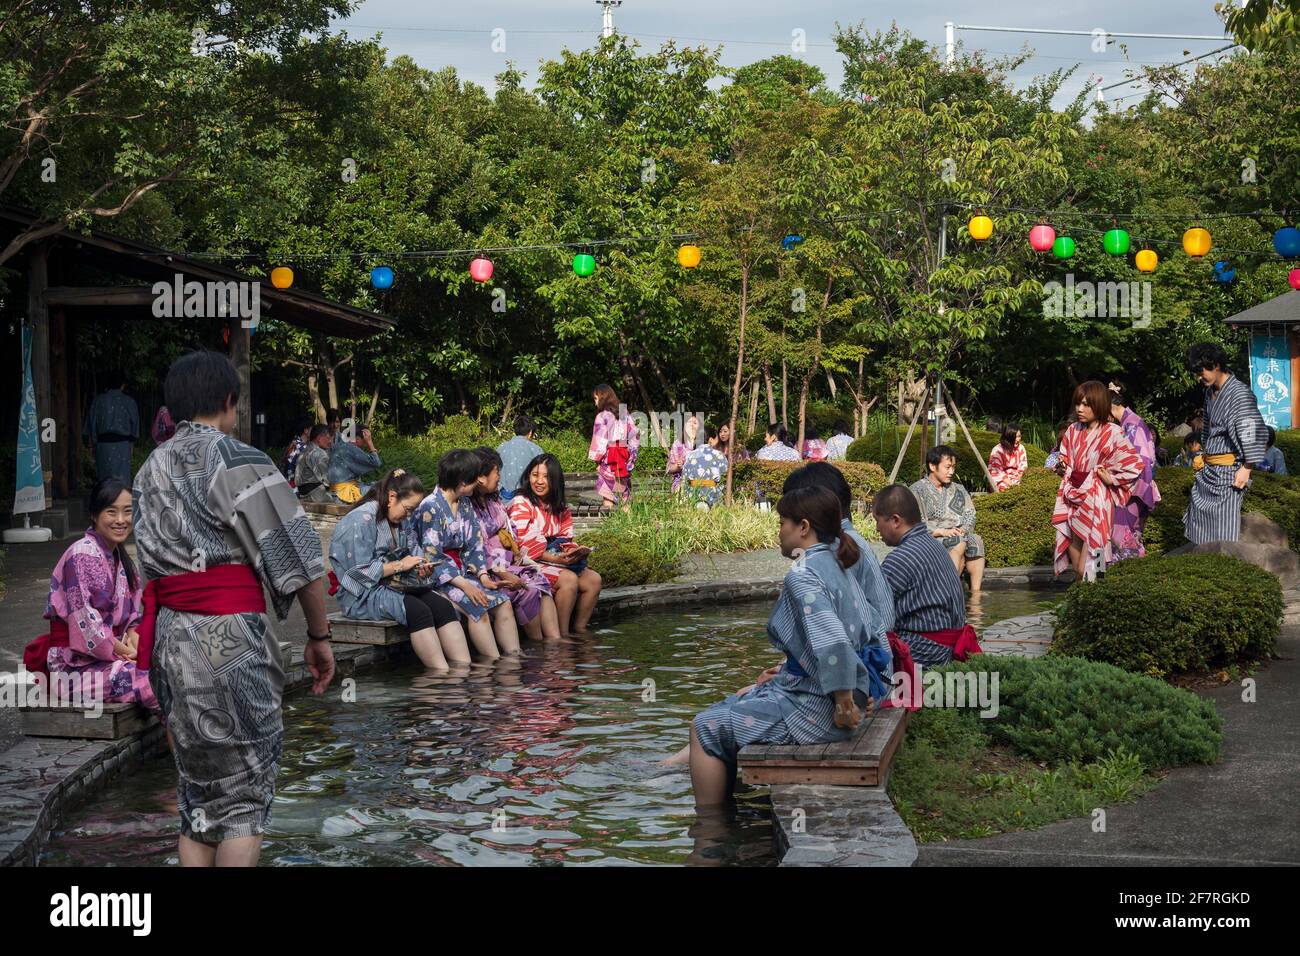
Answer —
348 630
114 721
861 761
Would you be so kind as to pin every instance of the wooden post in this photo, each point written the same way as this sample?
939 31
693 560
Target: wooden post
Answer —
907 439
63 437
75 448
241 356
956 412
38 279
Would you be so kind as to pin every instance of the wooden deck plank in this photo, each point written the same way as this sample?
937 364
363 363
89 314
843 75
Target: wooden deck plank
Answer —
347 630
114 721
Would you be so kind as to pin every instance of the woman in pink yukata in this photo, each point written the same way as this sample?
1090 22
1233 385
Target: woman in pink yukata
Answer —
97 592
614 444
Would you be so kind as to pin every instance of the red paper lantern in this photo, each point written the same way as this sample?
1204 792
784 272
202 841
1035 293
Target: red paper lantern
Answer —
1041 238
1294 278
480 270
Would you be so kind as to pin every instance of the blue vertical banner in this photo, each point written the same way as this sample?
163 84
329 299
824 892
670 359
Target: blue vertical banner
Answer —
29 489
1270 377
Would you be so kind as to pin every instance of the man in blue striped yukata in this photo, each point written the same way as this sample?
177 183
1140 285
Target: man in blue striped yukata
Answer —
929 603
1233 440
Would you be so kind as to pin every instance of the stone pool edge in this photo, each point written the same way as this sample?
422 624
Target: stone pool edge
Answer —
61 773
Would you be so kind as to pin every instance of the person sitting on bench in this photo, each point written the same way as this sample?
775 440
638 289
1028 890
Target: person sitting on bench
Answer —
311 474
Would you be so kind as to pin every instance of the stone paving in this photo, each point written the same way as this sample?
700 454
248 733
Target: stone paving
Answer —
1027 636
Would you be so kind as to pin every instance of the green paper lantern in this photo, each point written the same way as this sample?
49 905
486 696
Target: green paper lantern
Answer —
1063 247
584 264
1115 242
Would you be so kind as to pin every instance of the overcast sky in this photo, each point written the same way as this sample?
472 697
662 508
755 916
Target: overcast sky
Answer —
439 34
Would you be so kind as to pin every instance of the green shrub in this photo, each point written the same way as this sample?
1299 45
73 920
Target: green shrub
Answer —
1287 441
1061 709
1172 614
1275 496
621 563
881 446
864 478
1016 524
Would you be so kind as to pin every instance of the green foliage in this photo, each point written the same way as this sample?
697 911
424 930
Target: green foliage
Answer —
751 476
1275 496
882 445
1070 735
1172 614
1061 709
1016 524
665 530
621 562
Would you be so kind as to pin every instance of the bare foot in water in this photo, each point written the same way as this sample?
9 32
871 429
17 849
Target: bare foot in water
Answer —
679 759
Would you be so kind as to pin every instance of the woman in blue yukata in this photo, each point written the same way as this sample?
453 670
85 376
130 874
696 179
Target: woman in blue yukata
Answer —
449 532
833 669
375 554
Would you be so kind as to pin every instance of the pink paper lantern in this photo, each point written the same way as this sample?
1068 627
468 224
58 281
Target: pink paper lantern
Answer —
1042 237
1294 278
480 270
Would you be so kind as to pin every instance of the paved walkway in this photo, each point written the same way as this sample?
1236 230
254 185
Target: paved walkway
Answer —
1241 811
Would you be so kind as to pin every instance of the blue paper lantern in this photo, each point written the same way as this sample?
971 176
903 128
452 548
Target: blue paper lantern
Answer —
1287 242
790 241
1223 272
381 277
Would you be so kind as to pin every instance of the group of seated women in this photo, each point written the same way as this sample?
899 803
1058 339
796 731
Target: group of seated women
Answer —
461 569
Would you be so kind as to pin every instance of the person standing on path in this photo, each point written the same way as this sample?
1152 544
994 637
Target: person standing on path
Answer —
112 428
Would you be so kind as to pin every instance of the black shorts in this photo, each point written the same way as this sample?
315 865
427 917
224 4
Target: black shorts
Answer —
427 608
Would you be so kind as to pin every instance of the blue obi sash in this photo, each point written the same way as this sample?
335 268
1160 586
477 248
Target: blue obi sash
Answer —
875 659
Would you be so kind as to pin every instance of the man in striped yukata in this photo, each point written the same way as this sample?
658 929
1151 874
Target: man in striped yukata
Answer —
929 603
1233 440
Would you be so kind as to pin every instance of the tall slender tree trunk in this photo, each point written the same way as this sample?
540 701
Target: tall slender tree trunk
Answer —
735 387
785 393
771 398
753 406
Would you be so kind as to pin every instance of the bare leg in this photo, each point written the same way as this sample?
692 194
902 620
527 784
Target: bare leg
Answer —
1078 556
480 635
678 759
194 853
566 596
550 619
428 650
452 638
957 556
976 568
708 775
533 629
507 631
242 851
589 583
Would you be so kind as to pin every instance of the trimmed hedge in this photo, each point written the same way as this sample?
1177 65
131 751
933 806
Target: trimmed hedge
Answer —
1016 524
1172 614
1062 709
620 562
882 448
1288 441
864 478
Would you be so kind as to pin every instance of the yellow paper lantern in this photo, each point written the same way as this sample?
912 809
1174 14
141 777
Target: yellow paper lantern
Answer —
1196 242
1146 261
981 227
688 256
282 277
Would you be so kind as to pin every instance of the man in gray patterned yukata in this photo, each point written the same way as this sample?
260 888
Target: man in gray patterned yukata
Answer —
216 522
949 513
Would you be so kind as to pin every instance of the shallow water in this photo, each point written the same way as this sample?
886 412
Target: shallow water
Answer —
546 760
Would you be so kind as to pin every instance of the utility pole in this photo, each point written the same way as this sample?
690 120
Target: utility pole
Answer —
951 44
607 25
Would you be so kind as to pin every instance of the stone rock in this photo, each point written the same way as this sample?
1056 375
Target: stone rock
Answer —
1277 559
1261 529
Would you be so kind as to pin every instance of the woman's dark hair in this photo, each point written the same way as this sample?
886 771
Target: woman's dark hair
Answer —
300 425
1009 432
708 432
458 467
1096 396
937 454
1272 436
199 384
317 431
487 460
524 425
608 397
777 431
333 416
1205 355
822 474
841 426
1190 439
101 497
821 509
398 480
554 500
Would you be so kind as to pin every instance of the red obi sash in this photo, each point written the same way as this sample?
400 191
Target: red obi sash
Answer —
962 640
454 554
224 589
36 653
617 457
903 664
